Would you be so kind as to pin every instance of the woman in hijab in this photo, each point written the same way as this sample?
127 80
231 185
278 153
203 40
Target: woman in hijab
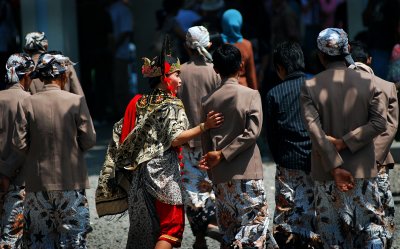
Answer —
231 33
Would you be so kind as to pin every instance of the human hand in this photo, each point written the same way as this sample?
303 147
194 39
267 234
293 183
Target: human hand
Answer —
214 120
337 142
4 183
210 160
343 179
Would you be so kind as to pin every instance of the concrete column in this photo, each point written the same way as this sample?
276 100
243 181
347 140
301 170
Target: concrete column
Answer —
57 18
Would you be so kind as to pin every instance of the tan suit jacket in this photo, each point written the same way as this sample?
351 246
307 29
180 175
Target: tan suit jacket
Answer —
241 107
54 128
384 140
346 104
198 79
73 85
11 160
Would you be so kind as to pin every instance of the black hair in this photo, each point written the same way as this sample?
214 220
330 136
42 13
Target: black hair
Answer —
359 51
154 81
227 59
332 58
289 55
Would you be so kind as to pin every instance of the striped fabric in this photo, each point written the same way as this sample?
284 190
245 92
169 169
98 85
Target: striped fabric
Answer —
287 136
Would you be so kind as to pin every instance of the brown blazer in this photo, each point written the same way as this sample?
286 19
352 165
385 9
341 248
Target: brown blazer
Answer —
11 160
241 107
198 79
73 85
54 128
346 104
384 140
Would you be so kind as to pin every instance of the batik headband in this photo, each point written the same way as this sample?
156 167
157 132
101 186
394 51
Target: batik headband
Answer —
17 66
334 42
36 41
51 65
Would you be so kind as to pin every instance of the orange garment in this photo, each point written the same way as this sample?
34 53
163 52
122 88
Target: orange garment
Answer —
248 75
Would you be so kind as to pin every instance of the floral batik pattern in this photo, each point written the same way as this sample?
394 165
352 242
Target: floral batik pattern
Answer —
352 219
158 179
294 217
242 214
56 219
199 198
387 201
12 218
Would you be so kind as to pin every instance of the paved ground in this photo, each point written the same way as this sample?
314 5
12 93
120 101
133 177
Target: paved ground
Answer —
112 233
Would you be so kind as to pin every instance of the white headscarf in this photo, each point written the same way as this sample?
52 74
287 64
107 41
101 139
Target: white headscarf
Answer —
198 38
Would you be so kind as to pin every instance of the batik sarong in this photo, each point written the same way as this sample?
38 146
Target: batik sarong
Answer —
12 218
157 180
352 219
56 219
242 214
386 196
198 196
294 217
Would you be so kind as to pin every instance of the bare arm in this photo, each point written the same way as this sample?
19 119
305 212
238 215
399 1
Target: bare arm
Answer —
213 120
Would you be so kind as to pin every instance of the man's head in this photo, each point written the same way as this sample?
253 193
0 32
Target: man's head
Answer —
333 45
198 40
288 58
18 67
35 42
52 67
360 53
227 60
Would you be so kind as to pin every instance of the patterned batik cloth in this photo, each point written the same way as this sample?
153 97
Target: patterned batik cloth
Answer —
242 214
352 219
198 196
158 179
387 201
56 219
12 218
294 217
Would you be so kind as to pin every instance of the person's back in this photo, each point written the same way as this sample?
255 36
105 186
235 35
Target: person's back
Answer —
383 158
344 111
60 133
12 186
345 102
232 158
229 98
54 128
198 78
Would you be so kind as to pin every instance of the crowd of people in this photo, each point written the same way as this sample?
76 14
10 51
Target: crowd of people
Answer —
189 146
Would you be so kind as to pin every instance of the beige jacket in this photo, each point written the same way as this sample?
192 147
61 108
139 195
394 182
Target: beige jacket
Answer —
346 104
54 129
241 107
198 79
384 140
73 85
11 160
